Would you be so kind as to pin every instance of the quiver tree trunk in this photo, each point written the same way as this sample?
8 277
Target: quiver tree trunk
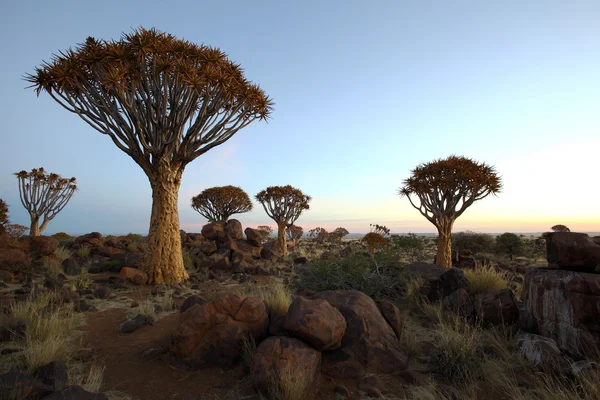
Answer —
164 261
34 228
444 253
281 240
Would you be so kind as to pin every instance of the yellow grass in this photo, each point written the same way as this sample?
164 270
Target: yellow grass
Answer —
276 296
286 386
486 279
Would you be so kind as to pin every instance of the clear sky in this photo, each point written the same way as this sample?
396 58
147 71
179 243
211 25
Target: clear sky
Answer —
364 91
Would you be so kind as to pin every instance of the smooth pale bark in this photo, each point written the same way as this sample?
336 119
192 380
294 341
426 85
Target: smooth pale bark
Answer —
164 262
444 254
281 240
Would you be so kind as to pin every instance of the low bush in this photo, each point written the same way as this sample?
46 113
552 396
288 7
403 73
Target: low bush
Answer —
486 279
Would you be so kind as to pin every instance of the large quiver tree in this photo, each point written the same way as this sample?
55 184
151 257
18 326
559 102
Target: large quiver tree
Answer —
217 204
163 102
43 196
283 204
443 189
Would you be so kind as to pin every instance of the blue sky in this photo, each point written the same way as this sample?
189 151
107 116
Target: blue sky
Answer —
364 92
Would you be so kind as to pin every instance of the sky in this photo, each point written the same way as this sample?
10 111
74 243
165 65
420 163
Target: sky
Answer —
364 92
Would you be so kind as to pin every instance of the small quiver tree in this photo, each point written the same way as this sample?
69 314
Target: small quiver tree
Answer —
265 232
318 234
3 213
162 101
43 196
283 204
217 204
374 240
294 233
337 235
443 189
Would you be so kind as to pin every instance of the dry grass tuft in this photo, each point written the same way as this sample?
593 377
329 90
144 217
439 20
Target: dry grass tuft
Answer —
286 386
53 267
62 253
276 296
248 350
88 376
84 251
486 279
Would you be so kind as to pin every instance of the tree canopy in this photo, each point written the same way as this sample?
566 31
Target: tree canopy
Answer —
220 203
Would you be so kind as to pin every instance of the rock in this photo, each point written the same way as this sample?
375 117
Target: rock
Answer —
527 322
565 306
374 393
587 368
138 321
459 302
243 249
192 301
233 229
573 251
15 385
106 251
497 308
214 231
542 352
369 345
253 237
369 382
269 254
316 322
134 275
93 239
213 333
208 247
276 326
281 358
102 292
393 316
82 306
40 246
300 260
439 281
53 374
76 393
342 391
71 267
12 260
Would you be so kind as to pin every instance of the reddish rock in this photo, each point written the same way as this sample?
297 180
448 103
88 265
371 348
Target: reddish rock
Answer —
253 237
438 281
208 247
134 275
93 239
459 302
192 301
497 308
243 249
565 306
106 251
214 231
15 385
571 250
369 345
281 358
316 322
13 260
269 254
233 229
393 316
213 333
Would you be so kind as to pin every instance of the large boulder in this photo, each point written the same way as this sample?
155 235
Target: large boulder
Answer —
316 322
134 275
15 385
497 308
93 239
214 231
243 249
233 229
393 316
283 361
565 305
253 237
213 333
369 345
571 250
438 282
71 266
459 302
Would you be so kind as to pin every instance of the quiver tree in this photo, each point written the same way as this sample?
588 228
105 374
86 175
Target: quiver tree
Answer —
163 102
283 204
443 189
265 231
217 204
560 228
43 196
3 213
318 234
373 240
337 235
294 233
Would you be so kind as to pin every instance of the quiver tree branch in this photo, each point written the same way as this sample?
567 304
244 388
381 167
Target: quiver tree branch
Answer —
164 102
219 203
43 196
443 189
284 205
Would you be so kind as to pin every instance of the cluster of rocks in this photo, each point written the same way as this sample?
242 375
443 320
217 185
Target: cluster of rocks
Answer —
564 297
342 334
48 382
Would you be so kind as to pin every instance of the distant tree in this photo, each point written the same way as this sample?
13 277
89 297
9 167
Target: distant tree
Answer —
43 196
474 241
318 234
337 235
294 233
445 188
3 213
380 229
283 204
509 243
374 240
15 231
217 204
265 231
560 228
411 246
162 101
